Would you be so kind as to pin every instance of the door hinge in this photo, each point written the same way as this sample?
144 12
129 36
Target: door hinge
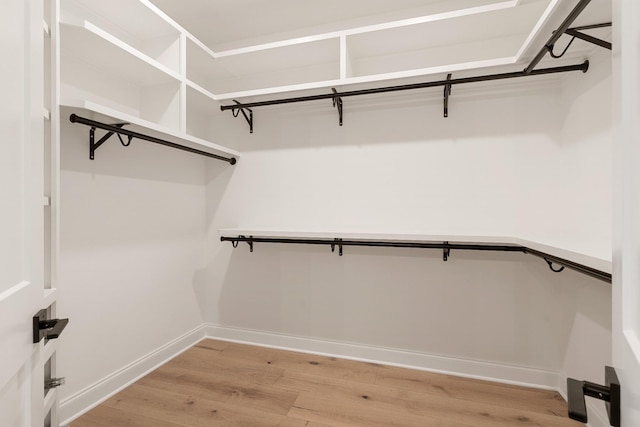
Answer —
610 393
47 328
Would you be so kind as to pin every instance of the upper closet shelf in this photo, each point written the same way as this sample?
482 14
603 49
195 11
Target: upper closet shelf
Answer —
108 115
557 258
88 43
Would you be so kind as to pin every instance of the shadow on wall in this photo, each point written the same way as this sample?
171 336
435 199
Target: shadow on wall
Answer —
476 306
582 118
137 194
492 111
132 241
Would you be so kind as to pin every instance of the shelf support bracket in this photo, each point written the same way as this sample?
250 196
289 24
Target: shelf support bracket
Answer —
249 241
337 242
447 92
93 145
550 264
576 32
248 118
446 252
337 103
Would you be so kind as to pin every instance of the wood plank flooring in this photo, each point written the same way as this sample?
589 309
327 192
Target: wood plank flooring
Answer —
217 383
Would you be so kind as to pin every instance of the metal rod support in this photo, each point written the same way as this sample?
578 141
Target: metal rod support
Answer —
445 246
589 271
490 77
586 37
557 34
115 129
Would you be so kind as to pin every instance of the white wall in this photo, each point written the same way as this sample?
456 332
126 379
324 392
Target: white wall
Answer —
132 226
527 159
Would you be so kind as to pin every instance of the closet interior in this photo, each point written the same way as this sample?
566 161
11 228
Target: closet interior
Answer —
396 134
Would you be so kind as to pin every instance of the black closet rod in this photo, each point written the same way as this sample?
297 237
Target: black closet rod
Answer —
118 130
445 246
578 67
348 242
589 271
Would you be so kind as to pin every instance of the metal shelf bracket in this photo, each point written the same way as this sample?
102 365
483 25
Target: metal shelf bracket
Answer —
93 145
248 118
118 129
337 103
447 92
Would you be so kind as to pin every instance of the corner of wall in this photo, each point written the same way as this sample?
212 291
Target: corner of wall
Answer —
86 399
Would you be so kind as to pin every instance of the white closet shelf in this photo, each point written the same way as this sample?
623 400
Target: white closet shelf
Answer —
99 112
592 262
89 43
139 19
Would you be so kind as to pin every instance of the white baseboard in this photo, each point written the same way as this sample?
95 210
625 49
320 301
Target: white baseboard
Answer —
90 397
81 402
426 362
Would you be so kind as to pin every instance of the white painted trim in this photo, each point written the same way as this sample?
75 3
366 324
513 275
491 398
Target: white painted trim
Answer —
177 26
49 296
345 67
515 375
14 290
203 91
46 29
536 29
633 342
92 29
49 348
372 28
86 399
50 399
509 60
187 140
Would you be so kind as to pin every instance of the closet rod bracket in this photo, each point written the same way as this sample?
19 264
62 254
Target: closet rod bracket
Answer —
337 242
248 118
249 241
337 103
119 130
446 251
447 92
550 264
576 32
93 145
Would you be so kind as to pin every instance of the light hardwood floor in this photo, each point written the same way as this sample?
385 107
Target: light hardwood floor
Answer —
218 383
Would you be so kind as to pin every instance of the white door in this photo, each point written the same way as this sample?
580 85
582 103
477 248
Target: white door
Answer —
626 260
21 212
